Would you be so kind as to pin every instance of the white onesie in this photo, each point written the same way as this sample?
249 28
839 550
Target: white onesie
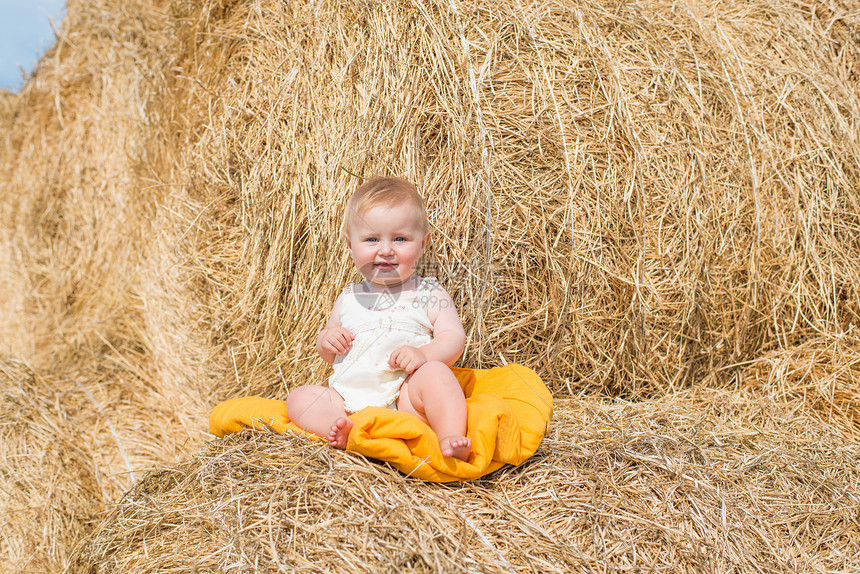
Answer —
381 324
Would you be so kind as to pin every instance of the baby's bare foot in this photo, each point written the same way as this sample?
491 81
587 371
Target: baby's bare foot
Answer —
339 433
457 446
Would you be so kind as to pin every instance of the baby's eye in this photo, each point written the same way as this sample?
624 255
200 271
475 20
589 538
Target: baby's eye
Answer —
370 239
399 239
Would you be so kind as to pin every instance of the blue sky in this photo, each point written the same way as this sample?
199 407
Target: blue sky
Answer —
25 34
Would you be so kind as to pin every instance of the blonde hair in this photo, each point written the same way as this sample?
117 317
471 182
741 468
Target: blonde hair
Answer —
387 192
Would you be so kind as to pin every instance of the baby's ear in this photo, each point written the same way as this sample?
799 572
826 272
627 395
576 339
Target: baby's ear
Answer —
426 240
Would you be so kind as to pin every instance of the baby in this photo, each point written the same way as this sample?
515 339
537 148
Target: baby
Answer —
393 337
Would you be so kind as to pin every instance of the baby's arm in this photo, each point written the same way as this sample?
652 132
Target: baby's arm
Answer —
334 339
449 338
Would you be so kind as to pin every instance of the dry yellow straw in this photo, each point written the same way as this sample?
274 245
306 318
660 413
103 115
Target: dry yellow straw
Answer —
640 201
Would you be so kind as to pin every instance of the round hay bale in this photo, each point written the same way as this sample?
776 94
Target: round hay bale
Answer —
626 200
703 481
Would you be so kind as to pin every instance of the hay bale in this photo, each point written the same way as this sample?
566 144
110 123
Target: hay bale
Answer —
704 481
618 196
84 275
624 200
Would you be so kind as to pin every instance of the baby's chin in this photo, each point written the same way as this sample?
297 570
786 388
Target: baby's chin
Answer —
389 277
386 282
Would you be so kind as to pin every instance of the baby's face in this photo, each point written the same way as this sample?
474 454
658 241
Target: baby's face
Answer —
386 243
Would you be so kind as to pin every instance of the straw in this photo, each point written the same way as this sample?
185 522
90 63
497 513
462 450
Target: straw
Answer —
702 481
637 200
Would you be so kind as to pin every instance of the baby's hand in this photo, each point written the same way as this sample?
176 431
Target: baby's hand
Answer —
407 358
337 340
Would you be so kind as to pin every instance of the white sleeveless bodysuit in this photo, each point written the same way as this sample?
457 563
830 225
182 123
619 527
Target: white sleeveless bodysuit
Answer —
381 324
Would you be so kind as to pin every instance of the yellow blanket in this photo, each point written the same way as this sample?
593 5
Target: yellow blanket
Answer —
509 408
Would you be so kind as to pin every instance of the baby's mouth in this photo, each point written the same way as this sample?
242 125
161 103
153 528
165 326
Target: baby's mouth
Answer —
385 265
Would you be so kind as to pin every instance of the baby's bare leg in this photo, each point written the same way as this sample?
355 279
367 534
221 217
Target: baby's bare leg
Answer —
433 394
320 410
